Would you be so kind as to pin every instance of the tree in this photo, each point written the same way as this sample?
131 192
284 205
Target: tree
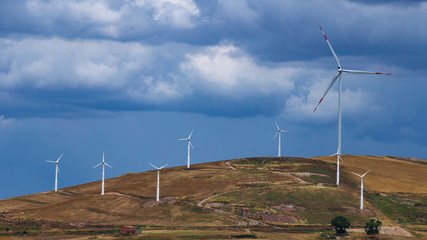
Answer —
340 224
373 227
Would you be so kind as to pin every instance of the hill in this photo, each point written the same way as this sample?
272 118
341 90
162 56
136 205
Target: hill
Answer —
287 196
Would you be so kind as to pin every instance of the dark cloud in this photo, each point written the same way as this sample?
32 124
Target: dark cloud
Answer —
388 2
109 55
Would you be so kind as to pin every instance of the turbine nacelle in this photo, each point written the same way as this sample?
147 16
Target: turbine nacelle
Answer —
103 162
278 130
158 179
57 161
361 187
339 75
362 174
56 170
340 69
188 146
158 168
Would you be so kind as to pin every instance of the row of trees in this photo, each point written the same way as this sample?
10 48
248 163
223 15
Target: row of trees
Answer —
341 223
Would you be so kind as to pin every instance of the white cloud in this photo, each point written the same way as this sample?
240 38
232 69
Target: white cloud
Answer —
301 104
59 63
95 11
98 17
227 70
95 16
181 14
7 122
239 11
157 91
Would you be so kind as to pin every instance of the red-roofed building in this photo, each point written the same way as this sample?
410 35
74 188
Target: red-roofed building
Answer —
128 230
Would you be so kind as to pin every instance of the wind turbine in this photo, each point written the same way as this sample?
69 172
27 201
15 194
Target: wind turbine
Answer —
56 171
279 131
103 170
189 144
158 179
361 187
340 71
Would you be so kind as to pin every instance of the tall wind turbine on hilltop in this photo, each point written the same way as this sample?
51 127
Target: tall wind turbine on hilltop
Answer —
56 171
103 171
279 131
361 187
188 146
340 71
158 179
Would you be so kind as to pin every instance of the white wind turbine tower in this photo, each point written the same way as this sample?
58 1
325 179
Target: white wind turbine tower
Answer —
361 187
56 171
188 146
279 131
340 71
158 179
103 171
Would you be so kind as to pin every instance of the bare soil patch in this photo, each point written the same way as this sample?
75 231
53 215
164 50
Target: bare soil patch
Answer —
279 218
394 231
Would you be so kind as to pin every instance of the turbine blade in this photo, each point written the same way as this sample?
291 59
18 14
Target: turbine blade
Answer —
363 72
108 165
356 174
191 144
327 90
97 164
277 125
163 166
50 161
275 135
330 47
189 137
341 159
59 158
153 166
183 139
58 169
366 172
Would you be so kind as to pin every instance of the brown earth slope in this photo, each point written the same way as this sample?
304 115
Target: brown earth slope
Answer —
387 175
211 195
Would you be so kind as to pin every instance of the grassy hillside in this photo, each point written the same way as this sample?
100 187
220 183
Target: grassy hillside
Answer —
283 195
388 175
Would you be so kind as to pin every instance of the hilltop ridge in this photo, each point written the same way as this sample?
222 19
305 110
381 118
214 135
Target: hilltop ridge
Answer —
280 193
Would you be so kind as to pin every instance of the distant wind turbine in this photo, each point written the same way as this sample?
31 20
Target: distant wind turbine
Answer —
361 187
56 171
103 171
279 131
188 146
340 71
158 179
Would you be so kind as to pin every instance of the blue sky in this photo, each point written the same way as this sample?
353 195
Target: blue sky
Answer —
130 77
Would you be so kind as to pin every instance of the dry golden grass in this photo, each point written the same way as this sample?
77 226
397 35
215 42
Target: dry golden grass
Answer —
126 195
129 199
387 175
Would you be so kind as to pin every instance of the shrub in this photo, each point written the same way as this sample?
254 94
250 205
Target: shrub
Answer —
373 227
340 224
